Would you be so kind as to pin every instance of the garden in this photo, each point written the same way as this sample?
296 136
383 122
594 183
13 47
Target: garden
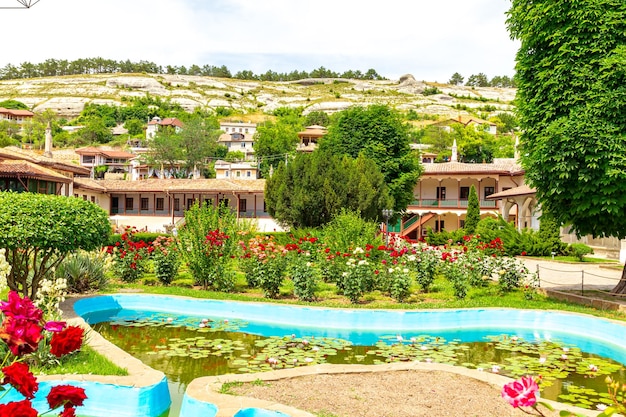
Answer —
345 264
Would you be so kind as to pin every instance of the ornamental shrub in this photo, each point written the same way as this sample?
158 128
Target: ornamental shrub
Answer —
355 278
84 271
129 257
424 261
579 250
348 231
165 258
305 276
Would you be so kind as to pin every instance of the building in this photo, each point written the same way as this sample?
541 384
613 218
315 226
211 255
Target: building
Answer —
238 136
309 138
235 170
442 192
16 116
157 124
105 162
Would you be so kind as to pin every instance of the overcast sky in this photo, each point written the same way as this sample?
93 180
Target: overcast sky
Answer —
431 39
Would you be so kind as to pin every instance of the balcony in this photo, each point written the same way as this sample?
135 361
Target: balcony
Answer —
450 203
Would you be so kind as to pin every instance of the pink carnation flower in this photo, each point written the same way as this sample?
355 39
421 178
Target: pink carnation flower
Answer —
521 393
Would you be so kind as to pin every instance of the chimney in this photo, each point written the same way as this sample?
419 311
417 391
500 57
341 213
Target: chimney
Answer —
48 145
454 157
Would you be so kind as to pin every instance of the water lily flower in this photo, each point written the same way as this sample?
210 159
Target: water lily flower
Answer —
542 359
495 369
170 319
424 347
399 338
309 360
593 368
564 357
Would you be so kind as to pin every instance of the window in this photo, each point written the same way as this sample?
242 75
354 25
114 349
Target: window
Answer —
226 173
177 204
247 173
242 205
238 174
129 203
189 203
243 144
225 202
85 197
461 224
441 193
93 198
159 203
208 202
464 193
489 191
144 203
439 225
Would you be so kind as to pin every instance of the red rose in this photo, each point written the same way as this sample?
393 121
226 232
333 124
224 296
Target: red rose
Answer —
18 409
22 336
20 378
66 341
66 395
68 412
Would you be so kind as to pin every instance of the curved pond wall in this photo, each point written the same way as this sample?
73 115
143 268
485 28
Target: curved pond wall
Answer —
591 334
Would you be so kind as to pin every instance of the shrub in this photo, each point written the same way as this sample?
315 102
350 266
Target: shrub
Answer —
129 257
183 282
166 259
348 231
84 271
355 278
305 276
579 250
424 262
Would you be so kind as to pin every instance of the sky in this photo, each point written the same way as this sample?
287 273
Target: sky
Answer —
430 39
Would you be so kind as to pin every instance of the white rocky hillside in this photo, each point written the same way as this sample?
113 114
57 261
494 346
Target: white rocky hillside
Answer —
68 95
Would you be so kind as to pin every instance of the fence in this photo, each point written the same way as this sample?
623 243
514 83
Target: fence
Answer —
578 279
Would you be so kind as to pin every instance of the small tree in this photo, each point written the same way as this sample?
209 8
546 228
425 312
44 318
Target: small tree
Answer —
456 79
472 216
38 231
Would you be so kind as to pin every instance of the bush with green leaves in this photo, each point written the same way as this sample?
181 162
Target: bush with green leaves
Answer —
129 257
511 273
357 277
456 273
348 231
424 261
208 243
38 231
579 250
398 281
305 276
84 271
166 258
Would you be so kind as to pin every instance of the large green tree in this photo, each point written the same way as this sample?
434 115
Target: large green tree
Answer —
379 133
571 100
38 231
274 141
311 189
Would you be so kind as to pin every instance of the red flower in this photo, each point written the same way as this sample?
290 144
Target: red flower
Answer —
19 376
66 395
68 412
55 326
521 392
22 336
66 341
524 253
20 308
18 409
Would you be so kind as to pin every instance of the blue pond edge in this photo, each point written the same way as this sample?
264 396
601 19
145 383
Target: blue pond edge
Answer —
601 336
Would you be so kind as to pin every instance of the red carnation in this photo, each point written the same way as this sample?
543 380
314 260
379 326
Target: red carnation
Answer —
66 341
20 308
19 376
18 409
66 395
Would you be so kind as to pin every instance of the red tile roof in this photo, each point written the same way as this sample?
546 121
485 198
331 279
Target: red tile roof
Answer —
24 169
109 153
14 112
501 167
174 185
513 192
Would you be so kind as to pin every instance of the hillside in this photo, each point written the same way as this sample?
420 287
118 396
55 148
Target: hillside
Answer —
67 95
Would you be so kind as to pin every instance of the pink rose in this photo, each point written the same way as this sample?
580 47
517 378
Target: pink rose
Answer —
521 392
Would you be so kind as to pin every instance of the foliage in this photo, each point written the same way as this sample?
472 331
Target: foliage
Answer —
305 276
429 91
166 258
84 271
444 237
472 216
13 104
379 133
456 79
129 257
312 188
273 141
549 237
38 231
511 274
208 244
348 231
424 261
570 72
318 118
579 250
477 80
264 264
456 273
355 278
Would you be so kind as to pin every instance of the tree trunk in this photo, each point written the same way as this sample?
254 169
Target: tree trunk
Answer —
620 288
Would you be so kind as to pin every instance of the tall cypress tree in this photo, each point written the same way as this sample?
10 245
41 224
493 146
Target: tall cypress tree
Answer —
472 216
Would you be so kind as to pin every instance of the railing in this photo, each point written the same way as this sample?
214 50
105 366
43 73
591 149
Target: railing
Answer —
425 202
574 280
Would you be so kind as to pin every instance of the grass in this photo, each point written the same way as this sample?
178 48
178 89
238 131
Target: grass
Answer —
86 361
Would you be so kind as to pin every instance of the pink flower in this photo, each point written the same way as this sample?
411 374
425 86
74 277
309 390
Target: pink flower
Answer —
20 308
55 326
521 393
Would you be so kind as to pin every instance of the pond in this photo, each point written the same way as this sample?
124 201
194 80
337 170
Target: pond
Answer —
187 338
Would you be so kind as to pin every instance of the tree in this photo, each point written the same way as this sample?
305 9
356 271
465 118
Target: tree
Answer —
472 216
319 118
571 67
39 230
311 189
95 131
382 136
13 104
477 80
134 126
456 79
273 142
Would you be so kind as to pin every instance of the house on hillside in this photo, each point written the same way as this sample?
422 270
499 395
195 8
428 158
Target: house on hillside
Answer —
235 170
310 137
157 124
105 161
16 116
238 136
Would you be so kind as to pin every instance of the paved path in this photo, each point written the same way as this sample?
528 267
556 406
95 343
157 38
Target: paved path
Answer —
556 275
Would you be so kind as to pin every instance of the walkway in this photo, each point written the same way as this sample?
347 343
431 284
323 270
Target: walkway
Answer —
566 276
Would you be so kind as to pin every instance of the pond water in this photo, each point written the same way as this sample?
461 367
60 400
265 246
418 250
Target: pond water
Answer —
220 340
